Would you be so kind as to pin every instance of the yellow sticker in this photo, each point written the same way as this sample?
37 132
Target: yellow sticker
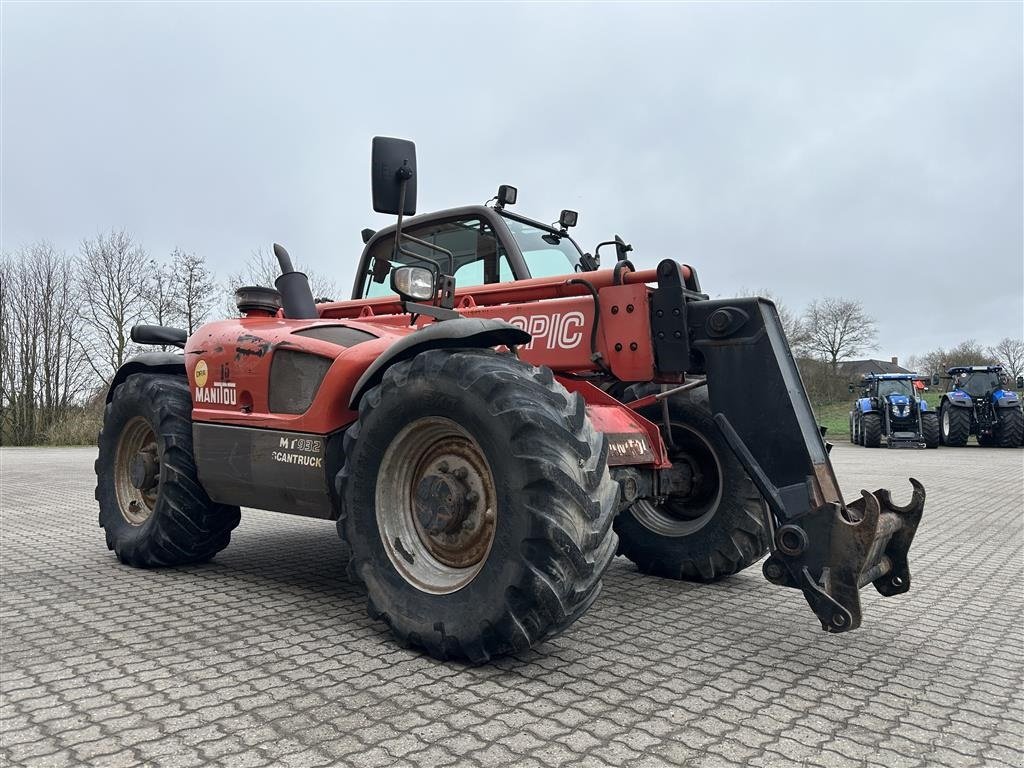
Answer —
201 373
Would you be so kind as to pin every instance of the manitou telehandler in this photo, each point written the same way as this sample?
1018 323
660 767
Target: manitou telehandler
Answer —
489 420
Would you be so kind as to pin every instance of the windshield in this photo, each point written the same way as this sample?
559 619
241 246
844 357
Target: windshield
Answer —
888 387
545 253
977 383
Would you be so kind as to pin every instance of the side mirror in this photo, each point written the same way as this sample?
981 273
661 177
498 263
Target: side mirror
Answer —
850 388
567 219
1020 382
393 176
935 380
416 283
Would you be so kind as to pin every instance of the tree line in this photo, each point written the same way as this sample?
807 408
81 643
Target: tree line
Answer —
833 331
65 323
66 319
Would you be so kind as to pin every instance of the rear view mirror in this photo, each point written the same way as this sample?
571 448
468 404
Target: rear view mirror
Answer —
393 162
935 379
850 387
1020 382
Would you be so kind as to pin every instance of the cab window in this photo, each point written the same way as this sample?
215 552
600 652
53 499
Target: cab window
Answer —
478 255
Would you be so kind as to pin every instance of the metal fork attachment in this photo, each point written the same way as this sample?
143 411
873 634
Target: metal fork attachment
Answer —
820 545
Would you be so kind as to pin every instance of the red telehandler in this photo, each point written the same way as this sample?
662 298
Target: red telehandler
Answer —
489 420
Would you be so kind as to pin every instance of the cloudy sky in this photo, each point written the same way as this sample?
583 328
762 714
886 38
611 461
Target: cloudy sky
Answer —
862 150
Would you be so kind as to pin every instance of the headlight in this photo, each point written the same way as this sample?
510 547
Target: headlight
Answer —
413 283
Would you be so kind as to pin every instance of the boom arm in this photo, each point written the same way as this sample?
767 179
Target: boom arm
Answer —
820 545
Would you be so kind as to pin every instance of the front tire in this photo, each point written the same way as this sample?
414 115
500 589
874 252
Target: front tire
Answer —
1011 427
871 430
930 429
719 528
477 503
956 425
153 509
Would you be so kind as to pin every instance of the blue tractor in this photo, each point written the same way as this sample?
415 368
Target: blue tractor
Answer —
891 408
980 403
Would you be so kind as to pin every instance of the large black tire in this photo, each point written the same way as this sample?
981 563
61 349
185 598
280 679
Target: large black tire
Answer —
930 429
173 522
871 430
956 425
550 536
1011 427
720 528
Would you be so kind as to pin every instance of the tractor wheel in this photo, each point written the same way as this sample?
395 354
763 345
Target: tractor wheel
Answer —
719 527
152 508
956 425
930 429
477 503
871 430
1011 425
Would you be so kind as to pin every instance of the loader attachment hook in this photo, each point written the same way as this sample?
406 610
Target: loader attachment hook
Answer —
819 544
864 543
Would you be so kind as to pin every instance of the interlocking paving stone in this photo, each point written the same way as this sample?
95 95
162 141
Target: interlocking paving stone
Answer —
266 656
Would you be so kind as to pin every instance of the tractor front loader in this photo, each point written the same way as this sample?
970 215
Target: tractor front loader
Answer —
487 439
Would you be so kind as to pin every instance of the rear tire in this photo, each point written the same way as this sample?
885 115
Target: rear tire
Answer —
956 425
717 531
1011 427
871 430
930 429
477 503
147 434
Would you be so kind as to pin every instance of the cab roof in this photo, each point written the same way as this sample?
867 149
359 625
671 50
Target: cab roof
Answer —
974 369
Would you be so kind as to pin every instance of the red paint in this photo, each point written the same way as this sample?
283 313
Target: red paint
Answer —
559 314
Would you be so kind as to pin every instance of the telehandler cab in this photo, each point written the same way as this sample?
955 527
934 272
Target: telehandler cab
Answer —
491 428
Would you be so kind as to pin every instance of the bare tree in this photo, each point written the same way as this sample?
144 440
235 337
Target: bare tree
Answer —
159 304
112 277
1010 354
193 288
42 371
262 269
968 352
838 329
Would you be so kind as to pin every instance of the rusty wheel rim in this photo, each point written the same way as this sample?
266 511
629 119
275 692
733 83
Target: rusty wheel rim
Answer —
436 505
137 471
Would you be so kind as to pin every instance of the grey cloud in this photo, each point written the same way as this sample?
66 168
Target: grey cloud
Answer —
863 150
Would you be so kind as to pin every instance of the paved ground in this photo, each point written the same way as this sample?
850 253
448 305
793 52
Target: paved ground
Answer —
266 656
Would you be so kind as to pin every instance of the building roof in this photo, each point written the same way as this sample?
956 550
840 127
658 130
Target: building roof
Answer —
864 367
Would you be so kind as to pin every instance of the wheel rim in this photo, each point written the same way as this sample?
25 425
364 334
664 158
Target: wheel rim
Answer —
683 514
436 505
137 471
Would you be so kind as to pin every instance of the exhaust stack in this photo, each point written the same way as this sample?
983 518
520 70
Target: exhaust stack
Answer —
296 296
